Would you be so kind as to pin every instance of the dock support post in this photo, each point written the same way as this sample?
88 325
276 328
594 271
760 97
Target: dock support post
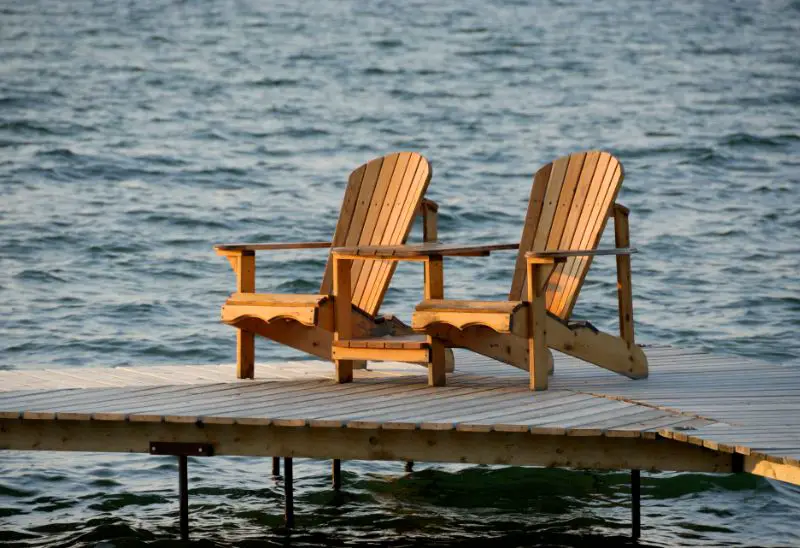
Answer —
182 450
276 466
409 466
288 490
636 509
336 470
183 495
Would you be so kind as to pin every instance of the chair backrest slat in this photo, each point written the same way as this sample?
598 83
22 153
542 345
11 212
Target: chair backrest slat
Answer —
398 216
368 230
568 210
356 201
535 204
583 186
389 191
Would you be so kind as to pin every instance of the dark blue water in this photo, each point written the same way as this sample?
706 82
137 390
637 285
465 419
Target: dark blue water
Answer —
134 135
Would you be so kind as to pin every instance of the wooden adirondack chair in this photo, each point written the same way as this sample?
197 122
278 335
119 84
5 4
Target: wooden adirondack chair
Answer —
571 201
381 200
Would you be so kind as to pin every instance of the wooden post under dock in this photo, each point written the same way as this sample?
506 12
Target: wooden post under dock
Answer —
276 466
696 412
636 504
336 473
288 490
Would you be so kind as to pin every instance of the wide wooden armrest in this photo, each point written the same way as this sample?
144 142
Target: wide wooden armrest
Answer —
563 254
419 251
271 246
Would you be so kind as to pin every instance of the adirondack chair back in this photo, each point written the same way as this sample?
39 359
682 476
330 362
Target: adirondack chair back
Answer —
379 206
568 210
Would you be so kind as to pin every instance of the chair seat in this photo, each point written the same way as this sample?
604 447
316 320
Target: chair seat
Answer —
311 310
276 299
496 315
271 306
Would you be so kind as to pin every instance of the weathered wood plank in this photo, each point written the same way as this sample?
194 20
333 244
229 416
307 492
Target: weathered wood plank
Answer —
351 444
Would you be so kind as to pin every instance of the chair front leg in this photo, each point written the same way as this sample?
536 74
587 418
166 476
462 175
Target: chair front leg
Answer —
624 288
244 266
434 289
538 356
342 313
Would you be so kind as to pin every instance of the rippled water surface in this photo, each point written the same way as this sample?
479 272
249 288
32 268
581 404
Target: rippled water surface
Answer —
133 135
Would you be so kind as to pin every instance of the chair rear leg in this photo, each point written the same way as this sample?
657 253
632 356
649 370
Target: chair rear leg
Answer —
245 354
344 371
449 360
437 364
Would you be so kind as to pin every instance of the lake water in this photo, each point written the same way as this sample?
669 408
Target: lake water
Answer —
134 135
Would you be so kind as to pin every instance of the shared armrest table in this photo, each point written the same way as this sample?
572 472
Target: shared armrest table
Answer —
416 349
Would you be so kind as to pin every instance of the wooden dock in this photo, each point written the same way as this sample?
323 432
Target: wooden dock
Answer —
696 412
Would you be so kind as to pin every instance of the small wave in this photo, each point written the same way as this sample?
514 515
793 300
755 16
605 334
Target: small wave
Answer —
378 71
105 483
159 159
304 133
672 486
186 221
492 52
653 133
298 286
663 150
8 491
715 50
789 97
173 274
183 242
9 144
686 154
307 56
771 188
274 82
727 233
428 72
128 310
13 101
106 532
388 43
365 119
220 171
56 153
489 216
472 30
437 94
112 503
10 535
38 276
159 39
211 135
748 140
9 512
25 126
